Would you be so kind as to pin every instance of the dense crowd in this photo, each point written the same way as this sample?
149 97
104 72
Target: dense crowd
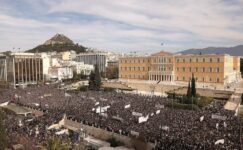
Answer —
166 127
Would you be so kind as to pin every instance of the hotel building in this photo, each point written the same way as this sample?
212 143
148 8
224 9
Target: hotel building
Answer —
209 69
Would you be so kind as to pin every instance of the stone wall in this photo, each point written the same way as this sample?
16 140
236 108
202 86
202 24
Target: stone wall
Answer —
104 135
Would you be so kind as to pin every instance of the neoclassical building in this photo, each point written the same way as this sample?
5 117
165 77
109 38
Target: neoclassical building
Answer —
21 68
168 67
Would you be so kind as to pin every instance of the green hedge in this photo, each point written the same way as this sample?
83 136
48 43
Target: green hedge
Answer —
183 106
83 88
109 89
114 142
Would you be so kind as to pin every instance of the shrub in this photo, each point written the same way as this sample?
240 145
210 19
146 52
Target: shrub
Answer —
83 88
183 106
114 142
109 89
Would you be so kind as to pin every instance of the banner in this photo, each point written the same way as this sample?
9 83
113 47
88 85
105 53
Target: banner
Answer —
103 99
219 142
143 119
102 109
117 118
134 133
67 95
47 95
166 128
216 116
137 114
159 106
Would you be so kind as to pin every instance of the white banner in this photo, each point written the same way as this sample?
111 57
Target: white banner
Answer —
159 106
134 133
67 95
215 116
137 114
103 99
219 142
166 128
102 109
117 118
143 119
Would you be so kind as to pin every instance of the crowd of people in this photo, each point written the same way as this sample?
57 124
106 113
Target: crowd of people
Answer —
164 126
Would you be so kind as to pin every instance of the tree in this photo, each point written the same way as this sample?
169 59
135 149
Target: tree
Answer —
91 80
55 143
189 92
3 136
112 72
193 88
95 79
241 98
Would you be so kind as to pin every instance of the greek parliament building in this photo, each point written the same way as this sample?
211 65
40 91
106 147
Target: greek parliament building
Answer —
98 59
168 67
21 68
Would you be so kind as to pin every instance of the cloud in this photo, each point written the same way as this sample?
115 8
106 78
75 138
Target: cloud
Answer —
126 25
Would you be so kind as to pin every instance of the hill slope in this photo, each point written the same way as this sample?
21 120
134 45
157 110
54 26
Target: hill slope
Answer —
58 43
234 51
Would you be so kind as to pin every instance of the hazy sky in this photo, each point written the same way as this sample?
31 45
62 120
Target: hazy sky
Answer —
123 25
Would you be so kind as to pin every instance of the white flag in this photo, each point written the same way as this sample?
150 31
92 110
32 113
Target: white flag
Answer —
137 114
217 126
143 119
127 106
157 112
201 118
67 95
166 128
219 142
225 125
97 103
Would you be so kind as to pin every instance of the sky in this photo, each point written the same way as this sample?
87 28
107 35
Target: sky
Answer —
123 25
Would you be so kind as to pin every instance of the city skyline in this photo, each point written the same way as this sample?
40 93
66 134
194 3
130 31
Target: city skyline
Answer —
123 26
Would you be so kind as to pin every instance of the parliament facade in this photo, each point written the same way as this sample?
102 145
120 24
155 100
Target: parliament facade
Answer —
168 67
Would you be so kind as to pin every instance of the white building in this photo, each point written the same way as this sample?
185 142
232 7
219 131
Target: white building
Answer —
60 73
82 68
68 55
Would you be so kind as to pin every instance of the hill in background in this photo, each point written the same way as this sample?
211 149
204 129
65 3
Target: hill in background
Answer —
58 43
234 51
